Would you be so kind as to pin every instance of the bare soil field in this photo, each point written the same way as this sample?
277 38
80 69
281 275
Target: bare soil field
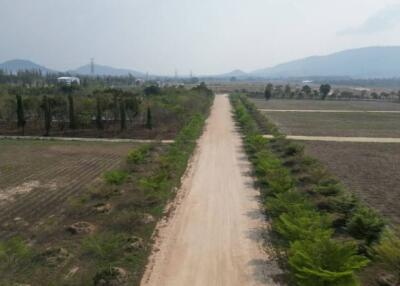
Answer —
37 177
370 170
325 105
338 124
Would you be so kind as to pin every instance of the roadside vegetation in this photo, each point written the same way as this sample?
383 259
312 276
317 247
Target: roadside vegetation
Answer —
324 234
104 234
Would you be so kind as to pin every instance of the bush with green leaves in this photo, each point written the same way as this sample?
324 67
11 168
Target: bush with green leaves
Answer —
115 177
365 224
284 202
13 253
302 224
104 248
387 252
139 154
325 262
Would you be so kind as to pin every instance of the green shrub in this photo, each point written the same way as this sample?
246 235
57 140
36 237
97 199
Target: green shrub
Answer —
139 155
286 201
328 188
14 252
104 248
325 262
301 224
115 177
365 224
388 251
270 171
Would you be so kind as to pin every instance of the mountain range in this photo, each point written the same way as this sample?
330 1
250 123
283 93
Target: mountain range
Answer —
370 62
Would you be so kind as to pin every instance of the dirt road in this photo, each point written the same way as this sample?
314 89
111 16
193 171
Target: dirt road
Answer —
214 236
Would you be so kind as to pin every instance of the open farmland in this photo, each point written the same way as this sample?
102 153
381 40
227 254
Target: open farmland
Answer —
325 105
371 170
37 177
338 124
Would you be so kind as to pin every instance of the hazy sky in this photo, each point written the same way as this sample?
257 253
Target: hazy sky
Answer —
205 36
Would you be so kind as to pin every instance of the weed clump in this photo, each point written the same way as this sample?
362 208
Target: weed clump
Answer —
115 177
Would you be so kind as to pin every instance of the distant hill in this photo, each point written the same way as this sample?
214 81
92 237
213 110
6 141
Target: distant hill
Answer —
236 73
105 70
371 62
14 66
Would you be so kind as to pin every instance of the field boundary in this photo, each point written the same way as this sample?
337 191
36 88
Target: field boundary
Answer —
328 110
339 139
79 139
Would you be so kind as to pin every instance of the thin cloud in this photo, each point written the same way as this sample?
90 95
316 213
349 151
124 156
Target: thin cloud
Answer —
383 20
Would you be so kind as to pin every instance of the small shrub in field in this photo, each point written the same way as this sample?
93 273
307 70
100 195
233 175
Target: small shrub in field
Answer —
365 224
139 155
345 203
105 248
293 149
325 262
255 143
115 177
328 188
14 252
388 252
271 171
300 224
286 201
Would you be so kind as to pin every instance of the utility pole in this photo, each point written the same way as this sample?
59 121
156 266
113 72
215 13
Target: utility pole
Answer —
92 66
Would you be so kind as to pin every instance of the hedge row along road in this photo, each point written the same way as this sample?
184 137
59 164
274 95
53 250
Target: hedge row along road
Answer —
213 236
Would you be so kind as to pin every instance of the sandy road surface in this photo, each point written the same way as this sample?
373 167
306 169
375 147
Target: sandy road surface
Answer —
214 235
340 139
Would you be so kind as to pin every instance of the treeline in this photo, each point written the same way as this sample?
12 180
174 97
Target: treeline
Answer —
325 234
325 91
35 78
72 108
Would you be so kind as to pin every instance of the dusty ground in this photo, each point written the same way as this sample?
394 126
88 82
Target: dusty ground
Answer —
37 178
326 105
214 236
340 139
338 124
370 170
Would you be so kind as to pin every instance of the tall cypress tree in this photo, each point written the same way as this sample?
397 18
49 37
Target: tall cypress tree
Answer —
122 114
47 115
149 119
99 114
20 113
71 111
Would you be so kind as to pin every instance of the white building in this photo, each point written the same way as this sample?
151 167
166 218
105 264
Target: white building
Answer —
68 80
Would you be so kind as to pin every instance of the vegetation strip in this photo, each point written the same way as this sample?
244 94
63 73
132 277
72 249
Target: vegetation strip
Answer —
103 237
338 139
112 140
325 235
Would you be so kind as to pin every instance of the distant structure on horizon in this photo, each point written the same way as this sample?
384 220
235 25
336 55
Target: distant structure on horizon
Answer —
92 66
69 80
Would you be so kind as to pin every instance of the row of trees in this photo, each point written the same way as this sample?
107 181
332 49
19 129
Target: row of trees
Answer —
287 92
77 110
325 91
73 111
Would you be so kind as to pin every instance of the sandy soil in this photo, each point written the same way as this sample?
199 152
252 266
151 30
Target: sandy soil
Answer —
214 235
370 170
